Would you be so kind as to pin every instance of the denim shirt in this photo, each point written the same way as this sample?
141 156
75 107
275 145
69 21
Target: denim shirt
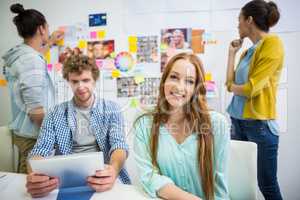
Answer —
30 86
236 107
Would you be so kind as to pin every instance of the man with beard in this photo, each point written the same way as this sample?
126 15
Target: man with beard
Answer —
83 124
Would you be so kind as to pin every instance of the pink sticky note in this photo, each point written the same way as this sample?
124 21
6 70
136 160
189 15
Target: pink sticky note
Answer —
58 67
49 67
99 63
93 35
210 86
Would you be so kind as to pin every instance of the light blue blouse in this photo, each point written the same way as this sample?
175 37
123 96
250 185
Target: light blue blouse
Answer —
178 163
236 107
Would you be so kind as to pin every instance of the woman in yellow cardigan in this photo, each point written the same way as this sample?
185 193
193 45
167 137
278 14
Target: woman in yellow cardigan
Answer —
254 85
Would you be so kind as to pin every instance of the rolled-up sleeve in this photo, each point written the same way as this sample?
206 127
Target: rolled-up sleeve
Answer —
33 83
150 178
117 130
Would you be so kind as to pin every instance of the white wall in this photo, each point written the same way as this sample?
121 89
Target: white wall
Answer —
142 17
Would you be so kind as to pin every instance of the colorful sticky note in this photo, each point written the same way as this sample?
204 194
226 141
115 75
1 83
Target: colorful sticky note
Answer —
93 35
99 63
3 82
134 103
210 86
47 57
132 41
82 44
58 67
115 73
208 76
101 34
163 47
139 79
61 42
113 54
49 67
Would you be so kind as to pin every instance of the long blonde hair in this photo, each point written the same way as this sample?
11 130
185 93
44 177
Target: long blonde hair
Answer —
196 111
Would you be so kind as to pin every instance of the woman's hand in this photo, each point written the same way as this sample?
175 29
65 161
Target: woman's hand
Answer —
235 46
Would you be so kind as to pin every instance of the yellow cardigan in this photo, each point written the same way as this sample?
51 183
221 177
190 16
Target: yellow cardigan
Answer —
264 73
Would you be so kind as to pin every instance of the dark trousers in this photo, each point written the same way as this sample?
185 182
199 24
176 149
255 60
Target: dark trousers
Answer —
257 131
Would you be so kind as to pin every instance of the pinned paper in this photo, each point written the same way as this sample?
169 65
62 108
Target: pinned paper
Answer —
60 42
58 67
132 41
113 54
210 86
47 56
82 44
163 47
49 67
3 82
93 35
139 79
134 103
101 34
208 77
99 63
115 73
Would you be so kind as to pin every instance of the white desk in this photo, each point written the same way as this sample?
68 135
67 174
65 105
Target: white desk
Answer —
12 187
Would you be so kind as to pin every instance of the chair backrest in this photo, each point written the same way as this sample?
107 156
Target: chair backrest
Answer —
6 150
242 177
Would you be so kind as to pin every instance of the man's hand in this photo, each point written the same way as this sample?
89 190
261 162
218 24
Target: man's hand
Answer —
103 180
40 185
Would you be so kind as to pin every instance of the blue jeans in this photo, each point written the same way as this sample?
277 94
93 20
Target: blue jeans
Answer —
257 131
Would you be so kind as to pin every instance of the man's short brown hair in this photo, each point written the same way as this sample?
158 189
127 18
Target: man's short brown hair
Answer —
79 63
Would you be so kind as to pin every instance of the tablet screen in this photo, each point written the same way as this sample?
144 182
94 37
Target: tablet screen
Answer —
72 170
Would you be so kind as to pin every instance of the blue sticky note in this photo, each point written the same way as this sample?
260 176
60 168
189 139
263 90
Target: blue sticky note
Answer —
97 19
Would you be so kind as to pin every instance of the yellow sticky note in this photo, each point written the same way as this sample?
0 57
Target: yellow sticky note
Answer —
3 82
113 54
60 42
134 103
47 56
208 77
139 79
115 73
132 48
132 41
82 44
101 34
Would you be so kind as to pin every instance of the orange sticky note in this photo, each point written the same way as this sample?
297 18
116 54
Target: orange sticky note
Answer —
208 76
101 34
3 82
115 73
82 44
47 56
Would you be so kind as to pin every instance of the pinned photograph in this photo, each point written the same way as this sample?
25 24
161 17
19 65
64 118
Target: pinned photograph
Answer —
147 49
126 87
100 49
178 38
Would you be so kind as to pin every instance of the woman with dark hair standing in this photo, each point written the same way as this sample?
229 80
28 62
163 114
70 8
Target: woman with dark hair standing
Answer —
31 89
254 85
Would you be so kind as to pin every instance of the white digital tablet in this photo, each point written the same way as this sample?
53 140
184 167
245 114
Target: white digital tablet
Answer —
72 170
